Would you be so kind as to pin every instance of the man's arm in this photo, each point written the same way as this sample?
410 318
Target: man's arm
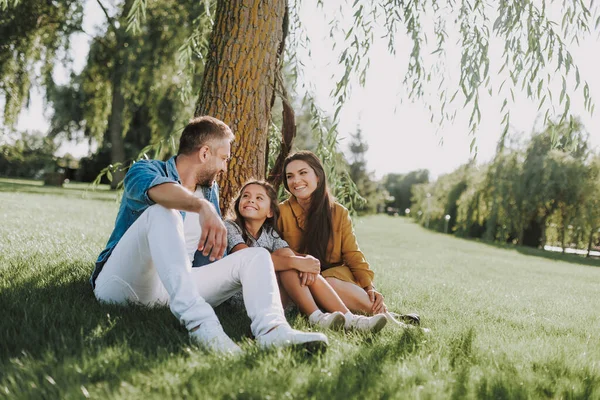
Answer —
213 239
175 196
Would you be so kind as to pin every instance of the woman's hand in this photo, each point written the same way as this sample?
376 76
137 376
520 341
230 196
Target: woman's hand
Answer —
307 278
376 299
307 264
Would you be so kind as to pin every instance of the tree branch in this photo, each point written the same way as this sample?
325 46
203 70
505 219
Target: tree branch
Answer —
108 17
288 128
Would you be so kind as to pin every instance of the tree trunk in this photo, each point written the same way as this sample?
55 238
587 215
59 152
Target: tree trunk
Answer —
521 236
491 225
543 242
115 122
238 83
589 249
563 234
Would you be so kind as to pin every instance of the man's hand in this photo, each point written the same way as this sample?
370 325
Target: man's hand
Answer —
307 278
376 298
306 263
213 240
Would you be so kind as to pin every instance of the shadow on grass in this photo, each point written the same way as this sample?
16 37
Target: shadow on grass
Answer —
45 313
52 325
549 255
49 312
79 192
357 375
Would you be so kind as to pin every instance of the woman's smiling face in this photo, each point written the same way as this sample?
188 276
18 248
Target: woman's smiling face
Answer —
301 179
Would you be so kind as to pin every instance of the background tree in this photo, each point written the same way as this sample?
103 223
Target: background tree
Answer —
29 156
129 95
366 183
591 206
530 194
34 36
473 208
400 186
433 201
542 181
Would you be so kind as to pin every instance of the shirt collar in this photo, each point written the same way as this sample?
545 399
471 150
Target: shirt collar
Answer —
172 169
207 191
297 211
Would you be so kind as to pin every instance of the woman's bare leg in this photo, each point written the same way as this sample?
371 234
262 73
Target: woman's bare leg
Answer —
354 297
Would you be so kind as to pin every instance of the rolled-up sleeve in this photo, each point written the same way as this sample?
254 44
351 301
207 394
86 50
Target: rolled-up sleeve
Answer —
141 177
351 254
278 242
234 235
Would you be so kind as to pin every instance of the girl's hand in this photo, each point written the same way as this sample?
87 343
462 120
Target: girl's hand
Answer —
307 278
307 263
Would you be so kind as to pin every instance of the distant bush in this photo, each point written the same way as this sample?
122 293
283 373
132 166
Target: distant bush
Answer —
29 157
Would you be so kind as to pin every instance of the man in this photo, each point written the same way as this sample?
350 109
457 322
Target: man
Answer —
146 260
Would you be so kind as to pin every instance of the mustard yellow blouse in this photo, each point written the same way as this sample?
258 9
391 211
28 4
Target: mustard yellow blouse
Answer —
342 249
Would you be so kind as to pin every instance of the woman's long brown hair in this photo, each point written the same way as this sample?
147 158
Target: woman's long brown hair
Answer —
319 226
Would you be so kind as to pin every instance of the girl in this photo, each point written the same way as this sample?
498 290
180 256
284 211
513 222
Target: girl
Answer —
255 224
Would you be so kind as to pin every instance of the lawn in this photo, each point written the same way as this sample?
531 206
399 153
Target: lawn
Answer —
505 323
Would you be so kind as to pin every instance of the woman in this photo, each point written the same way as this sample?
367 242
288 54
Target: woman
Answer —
313 223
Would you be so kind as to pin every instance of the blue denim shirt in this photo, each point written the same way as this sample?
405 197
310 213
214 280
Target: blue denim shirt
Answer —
141 177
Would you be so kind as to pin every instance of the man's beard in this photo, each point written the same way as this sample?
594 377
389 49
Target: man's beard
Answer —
206 178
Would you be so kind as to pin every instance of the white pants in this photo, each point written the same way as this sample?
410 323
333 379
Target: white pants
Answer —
150 266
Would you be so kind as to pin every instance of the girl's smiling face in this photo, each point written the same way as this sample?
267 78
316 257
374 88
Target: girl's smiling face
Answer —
255 203
301 179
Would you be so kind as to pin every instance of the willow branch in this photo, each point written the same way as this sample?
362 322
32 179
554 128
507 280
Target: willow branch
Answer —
108 17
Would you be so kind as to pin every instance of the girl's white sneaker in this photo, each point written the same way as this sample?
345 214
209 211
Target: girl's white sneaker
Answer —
334 320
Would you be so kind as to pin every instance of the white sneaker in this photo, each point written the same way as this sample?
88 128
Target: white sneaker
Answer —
334 320
285 336
367 324
211 336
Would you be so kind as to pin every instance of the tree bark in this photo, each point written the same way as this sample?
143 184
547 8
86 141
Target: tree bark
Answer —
238 83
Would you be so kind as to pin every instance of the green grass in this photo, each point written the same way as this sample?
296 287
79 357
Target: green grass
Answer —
504 324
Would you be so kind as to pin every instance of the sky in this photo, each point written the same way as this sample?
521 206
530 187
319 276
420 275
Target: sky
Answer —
399 133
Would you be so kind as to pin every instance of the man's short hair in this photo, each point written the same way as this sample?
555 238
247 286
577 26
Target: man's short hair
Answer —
200 131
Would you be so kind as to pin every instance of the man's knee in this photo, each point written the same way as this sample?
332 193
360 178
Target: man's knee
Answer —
258 255
257 259
160 213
